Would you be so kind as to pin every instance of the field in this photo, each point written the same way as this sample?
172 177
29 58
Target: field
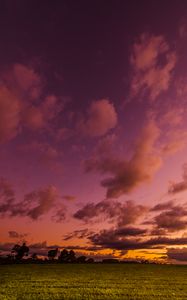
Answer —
93 281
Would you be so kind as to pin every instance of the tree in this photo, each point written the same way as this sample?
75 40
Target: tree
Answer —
63 257
52 253
72 257
20 251
67 256
81 259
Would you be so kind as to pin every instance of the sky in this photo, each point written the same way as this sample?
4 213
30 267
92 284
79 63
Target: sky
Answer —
93 127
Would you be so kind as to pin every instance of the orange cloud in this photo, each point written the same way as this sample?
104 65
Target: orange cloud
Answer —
177 187
10 114
21 104
129 174
23 79
100 119
150 74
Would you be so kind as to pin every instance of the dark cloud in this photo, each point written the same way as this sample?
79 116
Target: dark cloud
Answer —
126 175
34 205
118 234
59 215
130 231
173 220
108 239
158 231
163 206
114 211
177 187
80 234
15 235
44 200
177 254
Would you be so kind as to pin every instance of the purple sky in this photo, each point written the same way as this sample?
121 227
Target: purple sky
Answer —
93 130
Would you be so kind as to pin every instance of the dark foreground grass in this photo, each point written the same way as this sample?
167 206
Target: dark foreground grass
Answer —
94 281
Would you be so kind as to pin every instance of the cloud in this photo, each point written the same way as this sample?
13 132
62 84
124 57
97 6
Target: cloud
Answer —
176 139
152 62
34 118
10 114
181 88
177 254
175 145
100 119
183 29
114 211
173 116
129 231
39 116
158 231
174 219
69 197
80 234
123 232
22 79
109 240
177 187
23 102
163 206
124 215
15 235
129 174
171 122
59 215
44 200
63 134
105 145
34 205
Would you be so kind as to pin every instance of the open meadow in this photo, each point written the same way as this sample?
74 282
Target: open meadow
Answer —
93 281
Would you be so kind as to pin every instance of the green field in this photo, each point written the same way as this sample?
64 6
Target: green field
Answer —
93 281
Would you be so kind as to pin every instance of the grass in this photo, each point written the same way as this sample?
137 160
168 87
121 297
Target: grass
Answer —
93 281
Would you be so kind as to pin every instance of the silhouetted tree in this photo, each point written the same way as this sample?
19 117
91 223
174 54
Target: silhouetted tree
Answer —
90 260
52 253
63 257
67 256
72 257
81 259
20 251
110 261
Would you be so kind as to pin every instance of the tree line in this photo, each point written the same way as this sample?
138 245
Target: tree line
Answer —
20 252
